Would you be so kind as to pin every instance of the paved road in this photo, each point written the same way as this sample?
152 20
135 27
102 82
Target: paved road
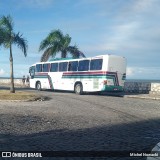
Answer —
87 122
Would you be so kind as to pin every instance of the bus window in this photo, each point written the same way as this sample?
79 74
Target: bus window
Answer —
54 67
46 67
63 66
39 68
83 65
96 64
73 66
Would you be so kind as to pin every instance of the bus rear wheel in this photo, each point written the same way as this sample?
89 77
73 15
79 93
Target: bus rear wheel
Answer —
38 86
78 89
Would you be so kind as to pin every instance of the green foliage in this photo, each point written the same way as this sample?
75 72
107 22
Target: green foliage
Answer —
2 34
6 23
21 43
7 38
57 42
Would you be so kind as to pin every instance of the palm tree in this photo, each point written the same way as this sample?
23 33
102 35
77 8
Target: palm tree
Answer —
7 38
2 35
57 42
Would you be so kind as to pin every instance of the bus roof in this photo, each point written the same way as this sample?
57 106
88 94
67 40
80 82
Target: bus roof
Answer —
66 59
60 59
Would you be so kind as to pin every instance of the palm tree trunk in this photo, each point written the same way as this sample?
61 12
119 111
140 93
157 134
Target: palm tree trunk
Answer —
63 54
12 89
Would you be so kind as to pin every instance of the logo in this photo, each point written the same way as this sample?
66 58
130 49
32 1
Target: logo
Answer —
6 154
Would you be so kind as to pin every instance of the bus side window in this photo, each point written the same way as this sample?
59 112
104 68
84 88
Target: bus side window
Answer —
54 67
63 66
83 65
46 67
39 68
72 66
96 64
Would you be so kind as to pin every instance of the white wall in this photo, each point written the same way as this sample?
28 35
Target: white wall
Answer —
7 81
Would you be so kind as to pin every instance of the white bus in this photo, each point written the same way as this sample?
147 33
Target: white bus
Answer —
100 73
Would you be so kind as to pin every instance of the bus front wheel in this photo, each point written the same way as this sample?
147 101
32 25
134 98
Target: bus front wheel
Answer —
78 89
38 86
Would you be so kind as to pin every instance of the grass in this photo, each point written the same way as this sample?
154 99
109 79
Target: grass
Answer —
18 95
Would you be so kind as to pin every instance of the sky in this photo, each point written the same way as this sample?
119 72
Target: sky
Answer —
129 28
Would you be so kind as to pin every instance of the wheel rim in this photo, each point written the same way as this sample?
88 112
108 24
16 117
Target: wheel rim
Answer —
78 89
38 86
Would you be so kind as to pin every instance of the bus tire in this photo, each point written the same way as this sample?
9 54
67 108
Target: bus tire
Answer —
78 89
38 86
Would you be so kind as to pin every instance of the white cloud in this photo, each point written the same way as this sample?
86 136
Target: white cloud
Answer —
143 72
135 33
130 71
94 47
2 72
122 35
142 5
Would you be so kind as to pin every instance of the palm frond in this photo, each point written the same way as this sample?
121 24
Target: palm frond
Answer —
53 36
45 56
57 47
52 50
4 37
57 42
2 34
66 40
81 54
48 53
20 42
6 22
75 52
44 44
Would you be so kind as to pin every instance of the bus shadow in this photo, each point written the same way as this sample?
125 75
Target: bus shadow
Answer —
118 94
112 94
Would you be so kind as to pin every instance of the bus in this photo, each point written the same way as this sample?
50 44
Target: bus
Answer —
94 74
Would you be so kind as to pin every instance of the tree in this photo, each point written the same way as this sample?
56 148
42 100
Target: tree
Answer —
57 42
7 39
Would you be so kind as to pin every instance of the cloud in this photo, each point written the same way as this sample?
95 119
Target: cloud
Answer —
121 35
142 5
2 72
130 71
143 72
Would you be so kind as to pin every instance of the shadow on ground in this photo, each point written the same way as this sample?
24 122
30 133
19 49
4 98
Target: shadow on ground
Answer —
114 94
140 136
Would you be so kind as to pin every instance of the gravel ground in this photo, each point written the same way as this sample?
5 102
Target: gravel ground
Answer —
80 123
